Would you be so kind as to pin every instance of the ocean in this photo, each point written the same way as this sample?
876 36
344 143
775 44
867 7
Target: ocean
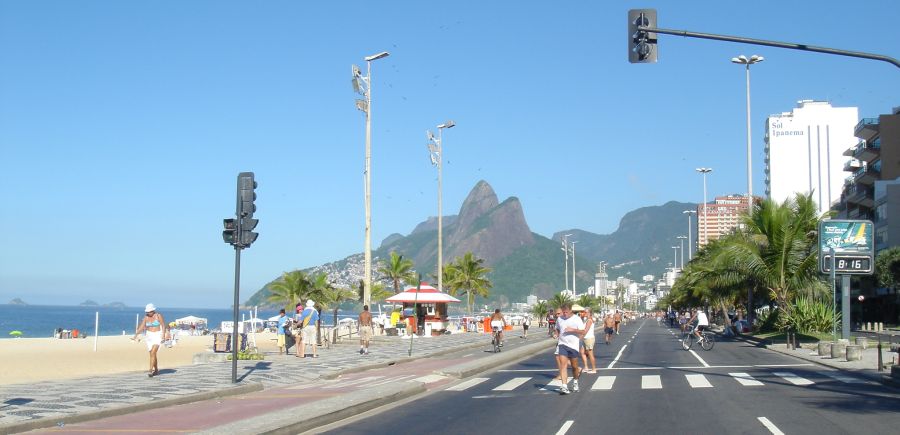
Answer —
36 321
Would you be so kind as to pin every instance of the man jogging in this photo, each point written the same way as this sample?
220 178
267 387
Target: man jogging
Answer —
569 330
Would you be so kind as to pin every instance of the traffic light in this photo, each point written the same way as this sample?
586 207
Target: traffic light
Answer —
229 235
246 195
247 234
642 46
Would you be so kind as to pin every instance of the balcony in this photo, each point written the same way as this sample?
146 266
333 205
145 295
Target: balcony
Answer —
866 175
866 129
867 151
852 165
861 195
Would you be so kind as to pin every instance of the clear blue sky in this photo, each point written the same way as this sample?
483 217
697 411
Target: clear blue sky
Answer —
123 125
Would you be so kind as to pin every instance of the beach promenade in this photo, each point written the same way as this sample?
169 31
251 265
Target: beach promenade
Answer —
201 397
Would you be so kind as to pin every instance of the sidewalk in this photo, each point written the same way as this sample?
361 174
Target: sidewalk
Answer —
48 404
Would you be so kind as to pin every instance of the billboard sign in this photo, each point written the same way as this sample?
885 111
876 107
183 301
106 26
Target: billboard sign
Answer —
853 244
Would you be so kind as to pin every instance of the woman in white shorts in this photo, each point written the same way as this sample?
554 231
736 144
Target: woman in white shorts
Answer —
154 328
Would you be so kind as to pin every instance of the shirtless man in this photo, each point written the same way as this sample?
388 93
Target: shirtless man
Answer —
618 320
497 321
609 325
365 330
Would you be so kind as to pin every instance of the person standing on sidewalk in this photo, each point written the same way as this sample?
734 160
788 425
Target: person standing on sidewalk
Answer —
570 329
279 331
308 319
525 324
365 330
155 330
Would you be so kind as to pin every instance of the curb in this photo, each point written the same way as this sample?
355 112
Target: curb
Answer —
312 415
46 422
483 364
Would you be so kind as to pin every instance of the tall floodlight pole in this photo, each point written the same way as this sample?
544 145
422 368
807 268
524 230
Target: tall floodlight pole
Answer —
742 60
565 248
690 243
704 171
435 146
574 292
682 238
363 85
675 264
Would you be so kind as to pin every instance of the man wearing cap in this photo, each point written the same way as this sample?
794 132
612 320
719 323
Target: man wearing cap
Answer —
154 328
308 319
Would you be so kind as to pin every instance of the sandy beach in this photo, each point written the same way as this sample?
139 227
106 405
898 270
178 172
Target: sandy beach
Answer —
27 360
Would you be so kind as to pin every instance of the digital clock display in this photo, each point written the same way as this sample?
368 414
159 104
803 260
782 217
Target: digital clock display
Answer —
843 264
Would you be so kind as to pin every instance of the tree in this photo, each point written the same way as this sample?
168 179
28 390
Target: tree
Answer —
540 310
469 274
379 291
887 267
398 270
588 301
290 289
559 299
331 297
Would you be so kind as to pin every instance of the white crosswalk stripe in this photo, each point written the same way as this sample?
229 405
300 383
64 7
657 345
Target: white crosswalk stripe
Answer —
698 381
512 384
552 385
745 379
651 382
604 383
792 378
462 386
354 382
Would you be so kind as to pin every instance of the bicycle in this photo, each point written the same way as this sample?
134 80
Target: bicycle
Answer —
707 339
495 339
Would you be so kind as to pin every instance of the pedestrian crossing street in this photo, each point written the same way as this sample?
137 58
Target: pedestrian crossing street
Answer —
655 382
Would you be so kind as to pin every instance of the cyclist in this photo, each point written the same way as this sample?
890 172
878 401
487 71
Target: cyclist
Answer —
551 324
497 324
702 323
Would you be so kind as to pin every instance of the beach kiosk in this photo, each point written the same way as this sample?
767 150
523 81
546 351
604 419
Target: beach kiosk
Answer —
425 310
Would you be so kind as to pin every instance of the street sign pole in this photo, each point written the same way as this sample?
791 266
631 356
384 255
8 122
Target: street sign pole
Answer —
833 299
845 307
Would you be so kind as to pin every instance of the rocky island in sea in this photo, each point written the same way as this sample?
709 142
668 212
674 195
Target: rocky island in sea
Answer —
17 301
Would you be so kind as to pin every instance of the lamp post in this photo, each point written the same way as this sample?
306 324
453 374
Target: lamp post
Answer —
690 243
363 85
573 267
675 264
682 249
565 248
742 60
704 171
435 146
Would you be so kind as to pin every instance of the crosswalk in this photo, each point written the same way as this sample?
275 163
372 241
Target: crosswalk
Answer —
602 383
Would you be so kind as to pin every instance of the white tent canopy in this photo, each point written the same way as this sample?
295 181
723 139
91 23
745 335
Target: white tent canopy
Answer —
190 319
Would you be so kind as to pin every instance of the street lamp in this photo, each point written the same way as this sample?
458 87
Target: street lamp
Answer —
573 267
363 86
704 171
690 243
675 264
742 60
682 249
565 248
435 146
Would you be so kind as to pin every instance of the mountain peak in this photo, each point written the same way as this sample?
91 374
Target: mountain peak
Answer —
481 200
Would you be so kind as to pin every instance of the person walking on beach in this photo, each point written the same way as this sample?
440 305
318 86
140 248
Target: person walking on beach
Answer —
365 330
308 319
570 329
155 329
279 330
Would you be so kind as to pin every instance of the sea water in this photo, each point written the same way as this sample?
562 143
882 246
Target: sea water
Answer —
37 321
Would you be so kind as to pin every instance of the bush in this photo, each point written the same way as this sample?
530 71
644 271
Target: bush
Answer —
251 355
811 316
768 320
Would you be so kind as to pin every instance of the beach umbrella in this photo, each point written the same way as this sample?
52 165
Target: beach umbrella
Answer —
16 333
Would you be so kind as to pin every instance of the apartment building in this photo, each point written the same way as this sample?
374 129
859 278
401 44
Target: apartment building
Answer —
720 217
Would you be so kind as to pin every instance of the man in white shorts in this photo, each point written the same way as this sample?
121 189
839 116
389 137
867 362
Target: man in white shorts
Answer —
497 324
569 330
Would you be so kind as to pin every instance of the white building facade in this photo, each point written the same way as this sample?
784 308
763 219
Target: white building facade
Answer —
804 150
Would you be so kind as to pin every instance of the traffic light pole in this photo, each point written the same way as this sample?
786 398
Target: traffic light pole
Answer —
790 45
234 328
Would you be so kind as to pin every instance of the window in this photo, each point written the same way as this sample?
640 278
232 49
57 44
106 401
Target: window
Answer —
881 213
881 236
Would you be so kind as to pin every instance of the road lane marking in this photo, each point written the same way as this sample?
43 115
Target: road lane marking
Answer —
633 368
512 384
845 379
389 381
604 383
792 378
554 383
651 382
354 382
565 427
466 384
745 379
784 365
770 426
699 359
466 356
611 364
430 378
698 381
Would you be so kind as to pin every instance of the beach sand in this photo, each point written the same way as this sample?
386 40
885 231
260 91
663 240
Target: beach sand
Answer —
27 360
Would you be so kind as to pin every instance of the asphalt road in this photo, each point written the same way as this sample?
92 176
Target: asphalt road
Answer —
648 384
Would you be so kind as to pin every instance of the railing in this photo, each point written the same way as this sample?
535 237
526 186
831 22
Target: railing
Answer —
864 122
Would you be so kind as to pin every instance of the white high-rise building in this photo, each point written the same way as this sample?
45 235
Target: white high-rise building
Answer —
804 150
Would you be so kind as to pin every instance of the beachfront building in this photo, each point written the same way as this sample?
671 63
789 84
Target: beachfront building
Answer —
720 217
804 151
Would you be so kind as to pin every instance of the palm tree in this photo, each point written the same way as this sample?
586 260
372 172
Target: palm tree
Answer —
468 274
331 298
588 301
290 289
559 299
398 270
379 291
540 311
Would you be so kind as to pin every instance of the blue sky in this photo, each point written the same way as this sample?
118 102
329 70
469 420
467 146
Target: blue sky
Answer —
123 125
